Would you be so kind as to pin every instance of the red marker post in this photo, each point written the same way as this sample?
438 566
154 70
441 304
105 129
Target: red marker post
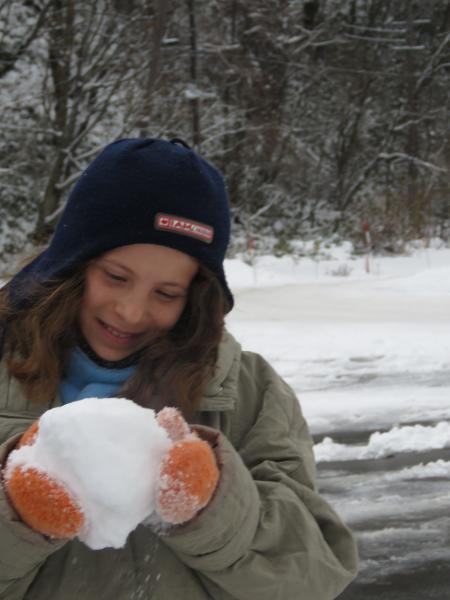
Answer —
368 240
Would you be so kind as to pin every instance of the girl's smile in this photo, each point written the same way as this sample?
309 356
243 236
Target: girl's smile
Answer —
115 335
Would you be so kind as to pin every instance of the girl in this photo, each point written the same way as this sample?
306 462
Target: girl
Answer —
129 299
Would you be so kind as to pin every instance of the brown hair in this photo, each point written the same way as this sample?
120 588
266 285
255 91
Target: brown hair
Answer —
172 370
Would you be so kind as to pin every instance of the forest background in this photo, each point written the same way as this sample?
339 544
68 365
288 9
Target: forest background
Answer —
324 115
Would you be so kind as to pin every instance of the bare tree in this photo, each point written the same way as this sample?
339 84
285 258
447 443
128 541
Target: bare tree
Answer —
321 114
90 62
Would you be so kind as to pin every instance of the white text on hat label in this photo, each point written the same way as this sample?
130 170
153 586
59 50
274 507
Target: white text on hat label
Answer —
183 226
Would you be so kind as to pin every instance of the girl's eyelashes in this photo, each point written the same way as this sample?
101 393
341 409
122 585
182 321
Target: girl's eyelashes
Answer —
114 276
168 296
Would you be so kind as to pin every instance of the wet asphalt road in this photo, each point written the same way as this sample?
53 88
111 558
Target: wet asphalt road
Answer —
430 581
402 525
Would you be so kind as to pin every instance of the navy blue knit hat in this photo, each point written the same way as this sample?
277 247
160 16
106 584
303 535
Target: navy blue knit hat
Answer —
138 191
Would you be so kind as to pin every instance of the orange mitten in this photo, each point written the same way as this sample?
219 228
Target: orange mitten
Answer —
41 502
188 473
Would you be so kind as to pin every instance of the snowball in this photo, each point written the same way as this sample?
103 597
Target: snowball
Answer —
107 453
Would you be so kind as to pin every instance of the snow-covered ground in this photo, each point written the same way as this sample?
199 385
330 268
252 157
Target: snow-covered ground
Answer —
369 356
363 351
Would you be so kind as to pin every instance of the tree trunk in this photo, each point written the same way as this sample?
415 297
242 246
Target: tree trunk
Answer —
195 101
61 38
412 143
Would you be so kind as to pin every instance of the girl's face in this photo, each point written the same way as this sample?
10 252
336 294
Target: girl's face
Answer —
132 294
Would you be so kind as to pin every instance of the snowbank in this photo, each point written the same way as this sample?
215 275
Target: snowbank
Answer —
424 270
415 438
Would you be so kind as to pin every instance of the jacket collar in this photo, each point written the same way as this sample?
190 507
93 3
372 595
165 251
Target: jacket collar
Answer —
221 391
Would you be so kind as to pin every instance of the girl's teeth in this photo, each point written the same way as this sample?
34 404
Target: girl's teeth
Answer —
116 333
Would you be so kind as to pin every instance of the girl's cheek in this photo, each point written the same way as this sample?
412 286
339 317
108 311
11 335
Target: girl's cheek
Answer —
168 317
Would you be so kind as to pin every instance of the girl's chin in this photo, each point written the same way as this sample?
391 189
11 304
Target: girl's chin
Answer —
108 353
113 355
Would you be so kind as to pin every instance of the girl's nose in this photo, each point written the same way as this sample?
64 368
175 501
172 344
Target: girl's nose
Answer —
132 311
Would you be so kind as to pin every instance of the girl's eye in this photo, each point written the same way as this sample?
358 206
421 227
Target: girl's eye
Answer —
115 277
167 296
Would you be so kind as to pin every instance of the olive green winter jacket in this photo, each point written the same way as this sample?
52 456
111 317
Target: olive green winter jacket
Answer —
266 535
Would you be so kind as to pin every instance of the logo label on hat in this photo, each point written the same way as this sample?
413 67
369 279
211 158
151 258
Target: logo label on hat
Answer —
183 226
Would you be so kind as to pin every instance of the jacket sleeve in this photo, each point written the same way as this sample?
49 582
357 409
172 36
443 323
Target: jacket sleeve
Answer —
267 533
22 550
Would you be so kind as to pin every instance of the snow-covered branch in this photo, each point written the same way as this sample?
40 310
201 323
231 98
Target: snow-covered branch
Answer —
10 58
431 63
405 157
